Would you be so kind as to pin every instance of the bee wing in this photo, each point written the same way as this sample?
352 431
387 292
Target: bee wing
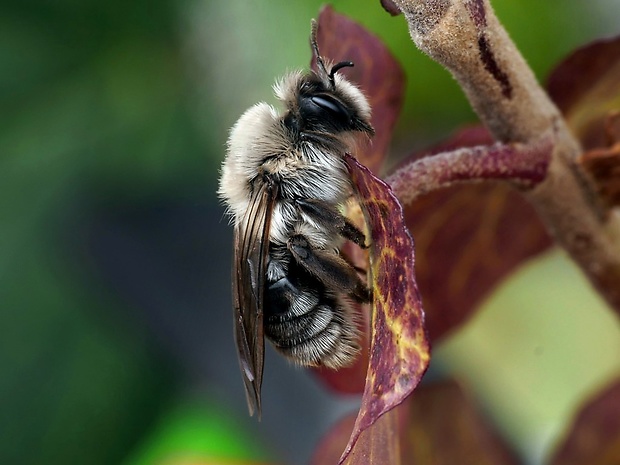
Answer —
251 246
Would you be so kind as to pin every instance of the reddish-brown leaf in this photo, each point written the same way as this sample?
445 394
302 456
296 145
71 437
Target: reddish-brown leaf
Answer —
437 425
446 429
390 7
376 72
586 86
468 238
594 438
380 443
399 350
603 164
604 167
382 447
330 447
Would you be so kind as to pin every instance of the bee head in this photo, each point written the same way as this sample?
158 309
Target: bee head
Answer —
328 101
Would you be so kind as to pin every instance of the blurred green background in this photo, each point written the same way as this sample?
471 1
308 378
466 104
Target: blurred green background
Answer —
115 332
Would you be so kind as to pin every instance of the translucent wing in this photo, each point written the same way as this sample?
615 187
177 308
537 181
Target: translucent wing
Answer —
251 243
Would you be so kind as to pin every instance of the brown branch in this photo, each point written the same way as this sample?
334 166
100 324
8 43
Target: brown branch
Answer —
523 165
466 37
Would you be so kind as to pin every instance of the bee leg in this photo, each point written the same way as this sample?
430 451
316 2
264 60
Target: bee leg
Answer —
335 273
351 232
330 218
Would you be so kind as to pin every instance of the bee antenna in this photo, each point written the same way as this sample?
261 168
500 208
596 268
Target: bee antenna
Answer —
338 66
319 59
315 46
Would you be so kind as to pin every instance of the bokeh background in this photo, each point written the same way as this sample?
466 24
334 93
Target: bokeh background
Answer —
115 324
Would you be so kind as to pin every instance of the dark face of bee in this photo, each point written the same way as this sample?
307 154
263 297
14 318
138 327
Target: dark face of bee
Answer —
324 109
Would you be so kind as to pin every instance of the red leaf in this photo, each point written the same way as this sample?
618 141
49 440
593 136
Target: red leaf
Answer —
399 351
376 72
603 164
437 425
586 86
468 238
330 448
594 438
390 7
445 429
383 447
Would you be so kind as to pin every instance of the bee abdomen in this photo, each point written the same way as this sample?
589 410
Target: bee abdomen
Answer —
310 326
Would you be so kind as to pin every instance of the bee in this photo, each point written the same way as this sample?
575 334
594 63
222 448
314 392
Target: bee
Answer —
285 183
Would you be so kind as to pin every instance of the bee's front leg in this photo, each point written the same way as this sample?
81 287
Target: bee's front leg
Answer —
334 272
331 219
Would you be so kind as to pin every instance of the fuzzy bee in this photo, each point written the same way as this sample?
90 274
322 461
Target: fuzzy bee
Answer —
285 183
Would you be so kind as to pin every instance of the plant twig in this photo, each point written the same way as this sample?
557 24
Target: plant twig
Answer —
523 165
466 37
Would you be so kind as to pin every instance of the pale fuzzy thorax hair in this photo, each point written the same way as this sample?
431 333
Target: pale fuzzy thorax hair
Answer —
258 133
256 127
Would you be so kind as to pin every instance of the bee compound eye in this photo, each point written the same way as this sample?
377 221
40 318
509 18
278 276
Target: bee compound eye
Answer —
331 105
325 104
